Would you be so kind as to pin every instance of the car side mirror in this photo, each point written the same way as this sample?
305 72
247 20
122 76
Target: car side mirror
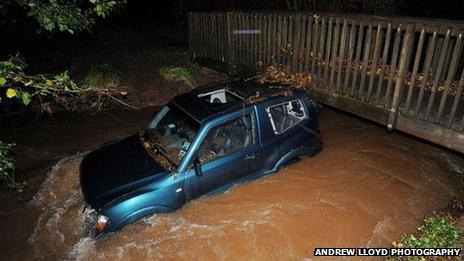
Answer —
197 167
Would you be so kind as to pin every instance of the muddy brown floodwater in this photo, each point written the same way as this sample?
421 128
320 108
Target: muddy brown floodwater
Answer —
366 188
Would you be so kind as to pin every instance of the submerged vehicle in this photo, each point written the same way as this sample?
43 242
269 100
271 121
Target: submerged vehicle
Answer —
201 142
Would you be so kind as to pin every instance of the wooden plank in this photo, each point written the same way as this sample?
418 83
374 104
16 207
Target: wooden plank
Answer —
450 77
209 36
327 53
367 50
289 40
304 24
251 42
279 39
322 48
457 99
309 36
270 40
275 37
262 40
253 37
343 46
266 40
449 51
426 71
349 61
296 43
350 105
201 36
206 45
225 38
431 132
393 64
438 47
244 60
437 75
402 67
420 46
314 41
220 36
375 60
248 46
229 47
360 41
334 54
258 46
239 52
242 25
236 39
247 39
214 36
383 62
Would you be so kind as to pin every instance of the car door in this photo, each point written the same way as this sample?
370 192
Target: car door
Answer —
279 136
225 153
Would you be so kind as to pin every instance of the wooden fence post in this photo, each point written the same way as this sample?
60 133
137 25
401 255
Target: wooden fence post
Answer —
229 47
403 65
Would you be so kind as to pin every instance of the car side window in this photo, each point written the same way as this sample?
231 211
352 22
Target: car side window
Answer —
228 138
285 115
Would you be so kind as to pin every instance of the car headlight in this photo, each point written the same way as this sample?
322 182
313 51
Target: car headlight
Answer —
101 222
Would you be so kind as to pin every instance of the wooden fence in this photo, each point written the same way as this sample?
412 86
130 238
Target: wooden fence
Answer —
402 72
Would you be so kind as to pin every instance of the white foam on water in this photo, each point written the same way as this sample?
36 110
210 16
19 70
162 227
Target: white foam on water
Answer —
83 249
61 223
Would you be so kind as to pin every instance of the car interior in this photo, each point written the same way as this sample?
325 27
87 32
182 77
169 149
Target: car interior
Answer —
227 138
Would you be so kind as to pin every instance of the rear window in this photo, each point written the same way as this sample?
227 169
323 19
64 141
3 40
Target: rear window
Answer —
285 115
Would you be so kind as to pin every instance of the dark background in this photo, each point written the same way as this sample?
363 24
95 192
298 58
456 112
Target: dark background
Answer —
20 33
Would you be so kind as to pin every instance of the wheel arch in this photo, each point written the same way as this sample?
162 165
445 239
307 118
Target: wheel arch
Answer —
140 213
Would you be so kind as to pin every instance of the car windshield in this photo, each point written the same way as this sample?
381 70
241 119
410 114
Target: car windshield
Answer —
172 131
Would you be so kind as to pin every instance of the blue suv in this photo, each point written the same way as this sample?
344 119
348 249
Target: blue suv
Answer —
201 142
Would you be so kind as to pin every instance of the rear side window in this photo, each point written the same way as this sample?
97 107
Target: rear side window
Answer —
286 115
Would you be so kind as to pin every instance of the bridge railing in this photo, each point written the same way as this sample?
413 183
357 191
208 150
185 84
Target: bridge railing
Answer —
405 73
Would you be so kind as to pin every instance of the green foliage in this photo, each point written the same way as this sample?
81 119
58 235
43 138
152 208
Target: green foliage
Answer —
101 75
10 71
437 231
49 91
22 87
185 74
7 168
71 15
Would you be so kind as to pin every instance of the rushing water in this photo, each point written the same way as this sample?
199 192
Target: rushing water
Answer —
366 188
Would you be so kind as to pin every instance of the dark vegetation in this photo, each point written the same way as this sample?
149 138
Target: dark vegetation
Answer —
441 229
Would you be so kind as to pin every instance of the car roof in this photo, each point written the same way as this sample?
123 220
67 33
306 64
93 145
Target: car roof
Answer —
244 92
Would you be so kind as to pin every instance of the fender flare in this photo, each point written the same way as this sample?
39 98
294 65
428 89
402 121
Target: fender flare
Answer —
140 213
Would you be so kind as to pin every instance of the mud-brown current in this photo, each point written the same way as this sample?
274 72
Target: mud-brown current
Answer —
365 189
